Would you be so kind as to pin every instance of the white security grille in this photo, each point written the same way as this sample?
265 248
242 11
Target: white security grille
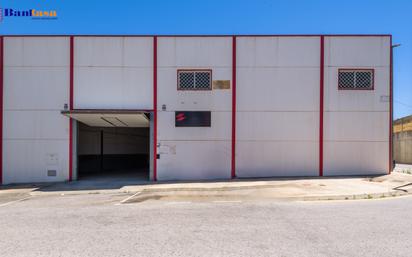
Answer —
355 79
186 80
363 79
202 80
194 80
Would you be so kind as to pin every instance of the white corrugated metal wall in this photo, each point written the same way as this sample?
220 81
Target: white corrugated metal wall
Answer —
36 87
113 73
356 122
194 153
277 106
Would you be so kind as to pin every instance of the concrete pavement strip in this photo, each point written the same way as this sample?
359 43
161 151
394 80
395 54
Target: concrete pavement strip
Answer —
306 189
16 193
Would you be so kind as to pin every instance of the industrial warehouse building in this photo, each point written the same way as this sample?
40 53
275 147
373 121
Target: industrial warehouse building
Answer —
402 140
194 107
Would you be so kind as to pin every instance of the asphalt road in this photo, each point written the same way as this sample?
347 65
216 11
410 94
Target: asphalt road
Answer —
97 225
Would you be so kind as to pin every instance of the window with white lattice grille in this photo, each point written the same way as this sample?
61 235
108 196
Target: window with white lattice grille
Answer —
355 79
194 80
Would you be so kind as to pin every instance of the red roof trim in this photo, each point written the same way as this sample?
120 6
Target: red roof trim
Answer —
223 35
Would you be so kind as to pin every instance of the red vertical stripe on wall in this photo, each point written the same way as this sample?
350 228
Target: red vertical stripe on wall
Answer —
321 86
391 108
233 173
71 71
155 108
71 108
1 108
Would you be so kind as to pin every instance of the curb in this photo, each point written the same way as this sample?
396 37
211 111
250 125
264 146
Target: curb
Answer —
155 194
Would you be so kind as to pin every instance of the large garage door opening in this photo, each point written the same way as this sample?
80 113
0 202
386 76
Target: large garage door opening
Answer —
113 151
112 145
